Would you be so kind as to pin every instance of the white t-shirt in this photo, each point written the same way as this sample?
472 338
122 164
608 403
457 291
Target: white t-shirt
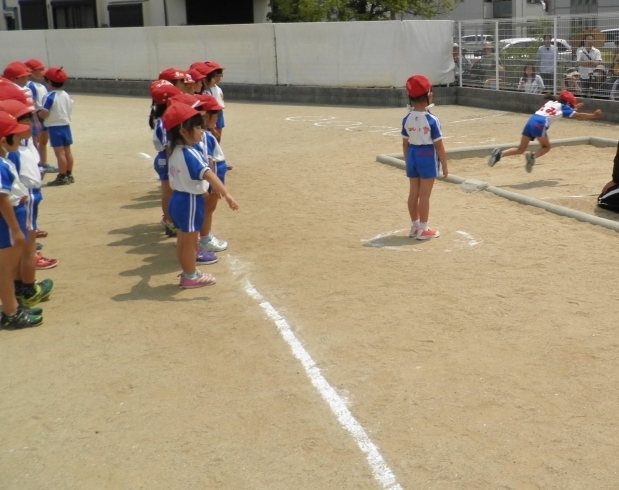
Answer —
584 55
10 183
39 91
29 171
421 128
60 105
217 93
160 138
532 85
553 109
186 168
27 92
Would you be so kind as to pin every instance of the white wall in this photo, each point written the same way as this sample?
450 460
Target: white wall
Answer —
261 9
347 54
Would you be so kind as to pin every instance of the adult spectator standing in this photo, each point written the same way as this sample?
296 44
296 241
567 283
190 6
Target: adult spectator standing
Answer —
588 58
546 58
488 65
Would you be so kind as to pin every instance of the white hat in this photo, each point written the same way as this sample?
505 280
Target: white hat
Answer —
456 45
600 67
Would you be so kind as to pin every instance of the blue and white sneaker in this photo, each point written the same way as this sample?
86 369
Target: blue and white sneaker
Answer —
213 245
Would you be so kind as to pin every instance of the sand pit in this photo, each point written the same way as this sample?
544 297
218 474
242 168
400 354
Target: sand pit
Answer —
484 359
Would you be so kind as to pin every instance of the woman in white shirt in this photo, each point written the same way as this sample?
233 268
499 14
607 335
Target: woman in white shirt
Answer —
530 82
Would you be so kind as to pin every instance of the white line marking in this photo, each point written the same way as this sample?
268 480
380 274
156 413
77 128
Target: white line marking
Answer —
145 155
382 473
471 239
562 197
477 118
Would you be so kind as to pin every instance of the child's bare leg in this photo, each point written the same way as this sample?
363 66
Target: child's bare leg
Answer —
69 158
210 204
9 262
27 265
545 143
413 199
425 189
166 193
186 244
42 146
62 159
524 143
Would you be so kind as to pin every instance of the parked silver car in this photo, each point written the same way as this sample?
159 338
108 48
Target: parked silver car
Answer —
526 47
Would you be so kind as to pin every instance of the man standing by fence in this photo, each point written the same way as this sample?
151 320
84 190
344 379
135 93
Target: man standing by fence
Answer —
588 59
546 57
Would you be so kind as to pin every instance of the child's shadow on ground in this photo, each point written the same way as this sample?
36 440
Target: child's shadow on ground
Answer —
395 241
605 213
150 200
533 185
149 239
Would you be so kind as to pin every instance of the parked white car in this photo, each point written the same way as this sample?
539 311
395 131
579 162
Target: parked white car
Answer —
526 47
476 42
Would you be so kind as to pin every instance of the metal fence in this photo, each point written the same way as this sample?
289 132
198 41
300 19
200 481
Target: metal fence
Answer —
579 53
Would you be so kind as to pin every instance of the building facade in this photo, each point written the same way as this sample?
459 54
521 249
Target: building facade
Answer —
78 14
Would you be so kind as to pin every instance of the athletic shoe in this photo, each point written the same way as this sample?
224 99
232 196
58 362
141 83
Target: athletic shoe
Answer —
48 169
170 230
21 319
39 246
414 231
205 258
214 245
41 234
427 234
42 263
59 181
530 158
71 179
494 157
34 311
200 281
42 291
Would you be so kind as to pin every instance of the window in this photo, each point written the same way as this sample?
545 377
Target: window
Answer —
73 14
126 14
33 14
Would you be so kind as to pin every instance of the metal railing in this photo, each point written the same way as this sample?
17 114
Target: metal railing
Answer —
579 53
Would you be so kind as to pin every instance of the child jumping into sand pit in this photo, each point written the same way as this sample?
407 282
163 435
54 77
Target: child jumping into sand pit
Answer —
538 124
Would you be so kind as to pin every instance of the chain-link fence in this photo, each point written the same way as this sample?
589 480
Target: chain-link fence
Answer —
579 53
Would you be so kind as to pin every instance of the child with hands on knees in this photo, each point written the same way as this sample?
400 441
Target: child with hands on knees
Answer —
190 179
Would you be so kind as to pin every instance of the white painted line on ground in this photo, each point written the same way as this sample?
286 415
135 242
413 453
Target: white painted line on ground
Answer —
471 239
383 235
145 155
476 118
382 473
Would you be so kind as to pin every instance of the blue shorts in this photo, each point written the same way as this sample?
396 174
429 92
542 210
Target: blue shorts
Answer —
35 131
60 136
161 165
536 127
220 120
34 198
186 211
421 162
6 240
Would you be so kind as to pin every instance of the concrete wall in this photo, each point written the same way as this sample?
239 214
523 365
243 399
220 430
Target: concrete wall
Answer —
261 9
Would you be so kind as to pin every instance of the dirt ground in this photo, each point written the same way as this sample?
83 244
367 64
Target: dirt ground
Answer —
485 359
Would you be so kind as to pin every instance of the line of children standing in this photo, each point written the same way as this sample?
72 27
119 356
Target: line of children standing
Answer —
190 163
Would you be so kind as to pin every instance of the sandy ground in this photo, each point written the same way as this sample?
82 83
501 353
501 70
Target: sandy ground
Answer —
484 359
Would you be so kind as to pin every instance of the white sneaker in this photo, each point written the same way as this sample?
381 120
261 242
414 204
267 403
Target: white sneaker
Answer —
214 245
414 231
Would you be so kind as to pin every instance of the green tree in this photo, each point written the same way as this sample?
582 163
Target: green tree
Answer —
344 10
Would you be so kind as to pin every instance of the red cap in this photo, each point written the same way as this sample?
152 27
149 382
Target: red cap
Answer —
9 125
190 100
8 91
16 70
56 75
418 85
162 90
34 64
210 67
568 97
176 114
172 74
15 108
199 66
209 103
195 74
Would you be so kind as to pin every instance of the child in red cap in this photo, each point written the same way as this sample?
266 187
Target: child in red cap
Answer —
18 74
190 179
13 229
423 151
39 131
537 125
214 73
56 112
